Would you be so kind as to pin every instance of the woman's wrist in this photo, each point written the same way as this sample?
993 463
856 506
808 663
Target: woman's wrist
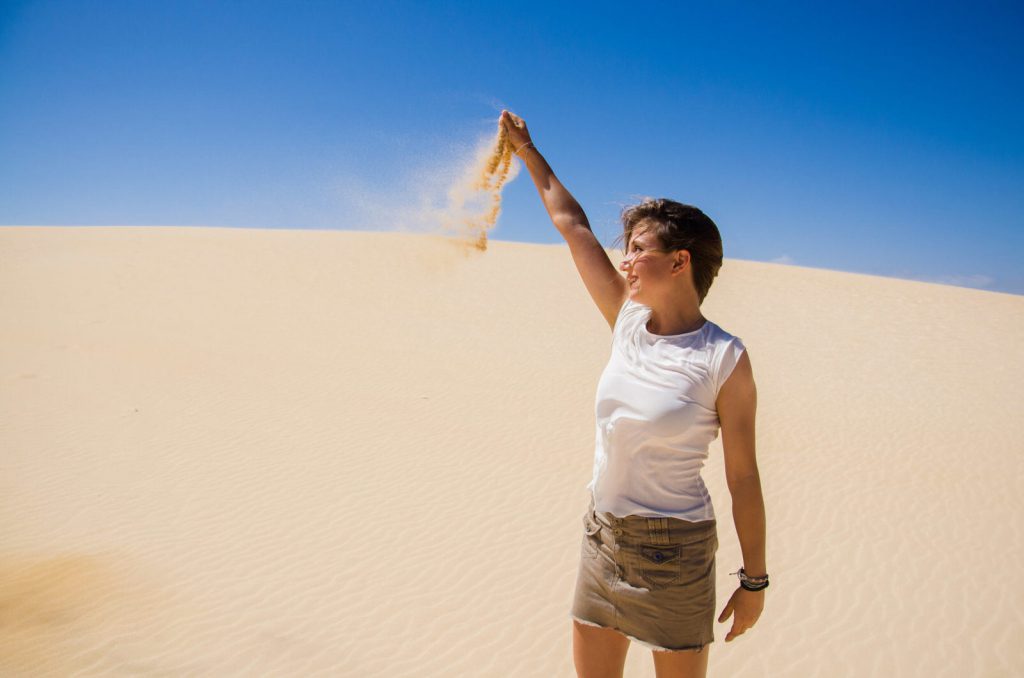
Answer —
750 582
524 150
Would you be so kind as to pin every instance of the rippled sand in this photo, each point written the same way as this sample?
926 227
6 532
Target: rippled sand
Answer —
229 452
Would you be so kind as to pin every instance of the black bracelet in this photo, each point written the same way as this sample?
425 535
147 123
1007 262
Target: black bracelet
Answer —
751 583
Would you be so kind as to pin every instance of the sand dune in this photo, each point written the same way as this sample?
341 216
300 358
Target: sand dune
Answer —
299 453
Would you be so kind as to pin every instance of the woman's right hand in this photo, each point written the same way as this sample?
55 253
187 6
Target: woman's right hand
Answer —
515 127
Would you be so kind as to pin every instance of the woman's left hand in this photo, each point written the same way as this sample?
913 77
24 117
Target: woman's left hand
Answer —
518 135
747 606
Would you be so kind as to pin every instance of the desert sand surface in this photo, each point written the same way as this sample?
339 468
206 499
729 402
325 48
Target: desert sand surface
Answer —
239 452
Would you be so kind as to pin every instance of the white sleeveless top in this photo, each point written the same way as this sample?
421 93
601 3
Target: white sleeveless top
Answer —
656 415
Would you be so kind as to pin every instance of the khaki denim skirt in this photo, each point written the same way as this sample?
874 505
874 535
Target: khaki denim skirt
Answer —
651 579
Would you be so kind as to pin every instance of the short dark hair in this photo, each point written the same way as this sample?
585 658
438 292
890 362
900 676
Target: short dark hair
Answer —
679 227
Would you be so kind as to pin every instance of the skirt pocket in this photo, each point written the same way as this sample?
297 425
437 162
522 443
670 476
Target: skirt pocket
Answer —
676 564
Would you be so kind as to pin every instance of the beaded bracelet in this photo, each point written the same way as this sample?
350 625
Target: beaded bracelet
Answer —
751 583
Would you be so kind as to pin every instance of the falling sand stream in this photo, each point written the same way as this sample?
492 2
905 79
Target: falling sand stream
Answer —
474 201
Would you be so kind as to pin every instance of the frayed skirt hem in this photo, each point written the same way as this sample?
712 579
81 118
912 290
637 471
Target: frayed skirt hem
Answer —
643 643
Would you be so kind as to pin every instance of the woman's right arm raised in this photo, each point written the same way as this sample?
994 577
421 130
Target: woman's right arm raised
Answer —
605 285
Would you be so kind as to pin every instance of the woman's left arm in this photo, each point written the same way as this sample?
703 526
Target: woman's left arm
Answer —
737 406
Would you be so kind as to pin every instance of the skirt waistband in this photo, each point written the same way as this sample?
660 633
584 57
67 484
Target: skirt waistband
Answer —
660 530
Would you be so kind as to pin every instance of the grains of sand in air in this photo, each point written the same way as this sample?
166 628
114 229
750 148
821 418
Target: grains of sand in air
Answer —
474 201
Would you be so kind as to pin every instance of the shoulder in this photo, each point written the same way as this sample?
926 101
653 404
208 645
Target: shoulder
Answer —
727 352
630 306
719 336
722 344
736 402
629 313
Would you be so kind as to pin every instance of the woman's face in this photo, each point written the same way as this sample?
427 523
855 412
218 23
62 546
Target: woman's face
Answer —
646 265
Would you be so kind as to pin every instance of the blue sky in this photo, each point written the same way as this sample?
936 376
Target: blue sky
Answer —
878 138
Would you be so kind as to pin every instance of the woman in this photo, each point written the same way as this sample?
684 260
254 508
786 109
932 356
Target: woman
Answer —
647 568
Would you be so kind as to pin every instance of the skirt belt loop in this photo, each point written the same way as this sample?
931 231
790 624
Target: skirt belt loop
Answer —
657 529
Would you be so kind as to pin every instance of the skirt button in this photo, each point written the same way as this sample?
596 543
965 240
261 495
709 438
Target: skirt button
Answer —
617 532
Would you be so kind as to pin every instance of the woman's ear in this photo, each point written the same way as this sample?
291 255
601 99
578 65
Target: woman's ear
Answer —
682 259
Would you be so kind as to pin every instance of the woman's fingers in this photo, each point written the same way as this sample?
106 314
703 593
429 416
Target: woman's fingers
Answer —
512 118
740 625
507 122
515 127
733 633
726 613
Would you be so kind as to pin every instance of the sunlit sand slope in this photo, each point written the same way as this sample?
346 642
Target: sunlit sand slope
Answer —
229 452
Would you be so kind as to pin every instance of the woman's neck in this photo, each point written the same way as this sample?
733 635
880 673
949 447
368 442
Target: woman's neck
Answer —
678 321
